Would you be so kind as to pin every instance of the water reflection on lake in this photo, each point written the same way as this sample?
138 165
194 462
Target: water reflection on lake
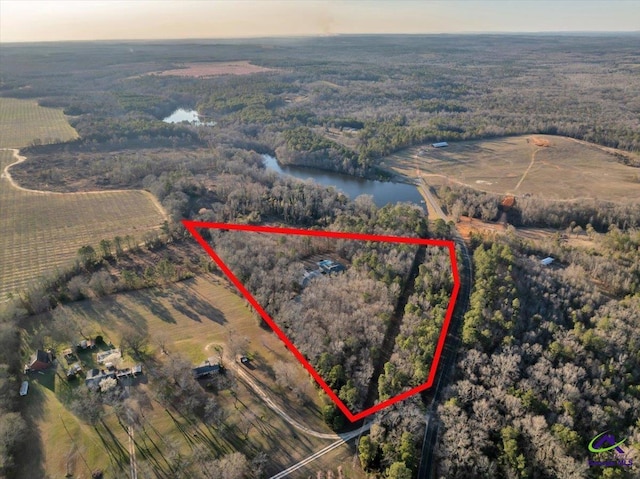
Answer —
190 116
383 192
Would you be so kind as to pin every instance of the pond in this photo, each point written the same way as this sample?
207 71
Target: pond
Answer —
190 116
383 192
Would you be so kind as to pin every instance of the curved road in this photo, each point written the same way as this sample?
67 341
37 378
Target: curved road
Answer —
19 159
246 377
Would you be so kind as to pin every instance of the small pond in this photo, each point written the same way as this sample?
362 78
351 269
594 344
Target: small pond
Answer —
190 116
383 192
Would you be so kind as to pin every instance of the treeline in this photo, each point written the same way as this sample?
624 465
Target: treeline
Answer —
396 452
547 363
541 212
384 136
132 131
303 147
13 427
424 314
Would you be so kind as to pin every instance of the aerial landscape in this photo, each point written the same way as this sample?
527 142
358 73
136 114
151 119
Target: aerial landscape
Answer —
325 248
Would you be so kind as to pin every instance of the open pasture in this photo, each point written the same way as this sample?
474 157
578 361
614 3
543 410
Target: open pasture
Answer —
542 165
24 122
40 231
204 70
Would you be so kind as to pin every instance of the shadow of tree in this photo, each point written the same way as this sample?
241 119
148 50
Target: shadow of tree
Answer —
189 300
30 460
151 302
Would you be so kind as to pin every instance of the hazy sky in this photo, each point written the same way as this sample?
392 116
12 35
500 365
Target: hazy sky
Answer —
31 20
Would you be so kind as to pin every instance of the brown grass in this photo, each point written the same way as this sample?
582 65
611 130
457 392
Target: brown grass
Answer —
536 140
42 231
204 70
466 226
22 122
566 169
195 315
348 139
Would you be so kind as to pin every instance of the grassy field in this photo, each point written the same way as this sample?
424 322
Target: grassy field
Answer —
206 70
191 318
520 165
22 122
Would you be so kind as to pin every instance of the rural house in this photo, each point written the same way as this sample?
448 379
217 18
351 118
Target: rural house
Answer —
206 369
326 266
40 360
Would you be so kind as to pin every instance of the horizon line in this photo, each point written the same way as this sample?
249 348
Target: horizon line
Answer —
333 35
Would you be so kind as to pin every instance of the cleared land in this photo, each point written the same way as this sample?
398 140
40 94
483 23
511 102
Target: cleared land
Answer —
466 226
347 138
204 70
542 165
40 231
23 122
191 318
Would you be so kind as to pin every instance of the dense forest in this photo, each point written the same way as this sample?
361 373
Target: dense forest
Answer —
549 360
345 345
548 355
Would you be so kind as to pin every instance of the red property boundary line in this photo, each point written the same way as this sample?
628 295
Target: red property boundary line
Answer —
192 227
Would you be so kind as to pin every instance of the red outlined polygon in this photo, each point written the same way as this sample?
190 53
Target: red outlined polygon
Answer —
192 227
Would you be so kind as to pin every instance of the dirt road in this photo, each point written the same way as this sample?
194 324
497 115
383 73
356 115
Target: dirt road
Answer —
246 377
19 159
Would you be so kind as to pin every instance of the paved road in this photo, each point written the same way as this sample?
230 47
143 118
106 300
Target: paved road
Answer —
450 351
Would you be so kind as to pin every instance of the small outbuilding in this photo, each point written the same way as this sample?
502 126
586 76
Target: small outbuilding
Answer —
73 371
114 353
547 261
441 144
85 344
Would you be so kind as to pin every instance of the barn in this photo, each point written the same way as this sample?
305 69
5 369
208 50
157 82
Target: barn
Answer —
440 144
40 360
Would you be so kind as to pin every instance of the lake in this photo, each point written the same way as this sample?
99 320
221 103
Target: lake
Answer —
190 116
383 192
